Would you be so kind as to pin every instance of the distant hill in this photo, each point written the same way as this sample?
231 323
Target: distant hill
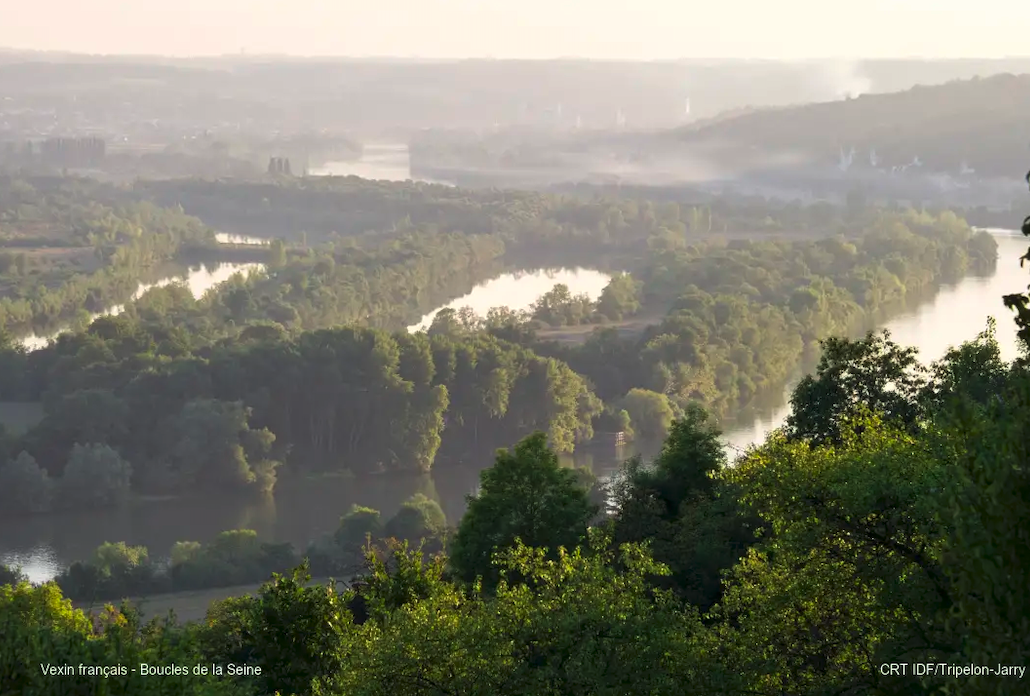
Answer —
408 95
983 124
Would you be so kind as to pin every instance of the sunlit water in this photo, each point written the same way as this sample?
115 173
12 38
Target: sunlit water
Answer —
957 314
519 291
198 279
226 238
45 545
389 162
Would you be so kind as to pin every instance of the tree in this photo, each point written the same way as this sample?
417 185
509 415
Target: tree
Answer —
1020 302
525 495
851 573
110 558
685 468
692 520
212 447
11 576
418 518
651 414
295 632
276 254
357 527
24 487
620 298
95 476
579 622
973 371
446 323
872 373
559 307
989 515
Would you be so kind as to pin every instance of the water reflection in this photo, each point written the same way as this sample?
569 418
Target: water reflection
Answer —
389 162
226 238
199 279
518 291
955 314
303 510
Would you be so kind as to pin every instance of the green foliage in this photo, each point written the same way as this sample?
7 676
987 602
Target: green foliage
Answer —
157 383
576 625
358 526
620 298
873 373
985 556
11 576
118 571
24 487
852 574
399 576
692 520
525 495
213 448
417 519
95 476
890 516
973 371
294 631
110 558
650 414
41 628
558 307
105 243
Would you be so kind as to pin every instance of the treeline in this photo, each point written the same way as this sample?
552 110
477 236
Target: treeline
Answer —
336 208
216 394
224 417
238 557
885 524
737 317
76 245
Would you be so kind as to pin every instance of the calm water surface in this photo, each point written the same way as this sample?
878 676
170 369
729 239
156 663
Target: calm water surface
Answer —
199 279
301 511
518 291
226 238
380 162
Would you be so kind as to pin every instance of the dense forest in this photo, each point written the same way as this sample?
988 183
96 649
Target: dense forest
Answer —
308 368
69 246
316 209
884 525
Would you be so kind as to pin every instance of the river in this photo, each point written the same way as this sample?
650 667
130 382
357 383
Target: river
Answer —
199 279
955 315
301 511
518 291
382 162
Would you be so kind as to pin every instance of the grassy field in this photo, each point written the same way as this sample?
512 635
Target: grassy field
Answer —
187 606
17 417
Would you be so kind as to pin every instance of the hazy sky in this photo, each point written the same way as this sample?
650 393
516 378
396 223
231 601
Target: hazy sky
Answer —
636 29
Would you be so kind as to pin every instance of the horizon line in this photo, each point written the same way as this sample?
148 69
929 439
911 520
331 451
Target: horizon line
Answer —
244 54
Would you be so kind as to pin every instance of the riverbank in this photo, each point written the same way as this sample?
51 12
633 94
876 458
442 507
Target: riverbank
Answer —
626 328
44 545
186 606
199 278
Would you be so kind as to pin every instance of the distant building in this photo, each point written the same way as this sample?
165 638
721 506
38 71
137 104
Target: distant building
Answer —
279 165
